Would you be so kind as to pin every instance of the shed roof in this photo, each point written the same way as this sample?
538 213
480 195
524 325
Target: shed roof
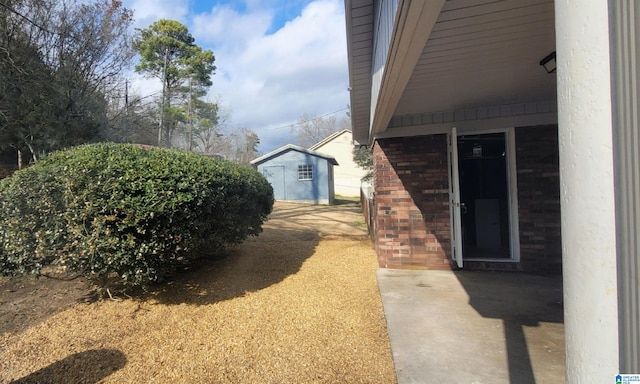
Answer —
292 147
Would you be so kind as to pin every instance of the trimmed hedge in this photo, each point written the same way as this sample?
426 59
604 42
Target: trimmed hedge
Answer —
107 210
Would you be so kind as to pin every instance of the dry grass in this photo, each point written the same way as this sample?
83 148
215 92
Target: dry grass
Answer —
292 306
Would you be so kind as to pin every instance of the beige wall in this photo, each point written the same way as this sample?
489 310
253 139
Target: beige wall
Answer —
347 175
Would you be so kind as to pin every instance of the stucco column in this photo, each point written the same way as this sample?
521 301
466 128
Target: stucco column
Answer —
587 190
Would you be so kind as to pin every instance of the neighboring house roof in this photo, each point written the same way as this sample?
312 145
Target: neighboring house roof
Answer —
328 139
292 147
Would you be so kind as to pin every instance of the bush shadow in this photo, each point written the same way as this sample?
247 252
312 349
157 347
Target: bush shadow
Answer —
29 300
256 264
90 366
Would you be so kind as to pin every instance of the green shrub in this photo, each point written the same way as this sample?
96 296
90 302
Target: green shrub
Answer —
122 210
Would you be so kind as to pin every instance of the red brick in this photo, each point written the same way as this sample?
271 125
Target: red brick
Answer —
412 209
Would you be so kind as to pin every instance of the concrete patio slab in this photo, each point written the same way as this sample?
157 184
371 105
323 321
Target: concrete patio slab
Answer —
474 327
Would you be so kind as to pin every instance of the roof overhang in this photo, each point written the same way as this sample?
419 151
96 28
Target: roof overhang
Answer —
359 20
449 57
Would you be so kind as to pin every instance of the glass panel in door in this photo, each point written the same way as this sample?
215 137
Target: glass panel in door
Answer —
484 196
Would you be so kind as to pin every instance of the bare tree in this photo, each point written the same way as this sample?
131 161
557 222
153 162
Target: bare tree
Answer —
132 118
247 147
310 129
213 134
58 60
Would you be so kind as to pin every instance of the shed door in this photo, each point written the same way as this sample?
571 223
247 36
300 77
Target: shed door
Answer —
275 176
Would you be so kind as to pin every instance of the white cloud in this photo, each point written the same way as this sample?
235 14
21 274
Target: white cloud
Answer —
148 11
227 28
271 80
268 78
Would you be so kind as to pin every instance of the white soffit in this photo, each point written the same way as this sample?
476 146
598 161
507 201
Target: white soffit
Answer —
483 53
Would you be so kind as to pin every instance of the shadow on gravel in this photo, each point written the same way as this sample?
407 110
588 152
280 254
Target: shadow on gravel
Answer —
90 366
26 300
343 217
289 238
254 265
300 210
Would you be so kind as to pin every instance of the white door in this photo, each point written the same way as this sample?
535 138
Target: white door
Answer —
454 198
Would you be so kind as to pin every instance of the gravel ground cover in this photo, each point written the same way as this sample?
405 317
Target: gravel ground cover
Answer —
298 304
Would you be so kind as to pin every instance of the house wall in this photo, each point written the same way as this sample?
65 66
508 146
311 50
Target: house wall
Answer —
347 174
412 202
626 150
539 199
412 213
313 191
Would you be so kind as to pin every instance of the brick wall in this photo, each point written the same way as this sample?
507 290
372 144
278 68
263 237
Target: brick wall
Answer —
412 202
539 199
411 214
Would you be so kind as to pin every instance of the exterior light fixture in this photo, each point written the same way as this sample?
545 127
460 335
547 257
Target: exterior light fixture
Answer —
549 62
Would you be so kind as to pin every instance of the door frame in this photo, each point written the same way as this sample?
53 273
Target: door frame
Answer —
512 187
455 214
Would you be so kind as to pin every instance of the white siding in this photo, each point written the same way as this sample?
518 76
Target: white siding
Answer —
347 174
627 150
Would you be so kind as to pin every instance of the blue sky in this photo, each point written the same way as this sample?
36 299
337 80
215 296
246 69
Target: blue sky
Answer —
281 10
276 60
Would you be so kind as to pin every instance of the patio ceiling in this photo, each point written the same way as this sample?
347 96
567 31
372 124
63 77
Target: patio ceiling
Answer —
480 53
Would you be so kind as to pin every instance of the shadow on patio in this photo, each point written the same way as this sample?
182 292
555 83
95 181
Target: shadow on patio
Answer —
474 327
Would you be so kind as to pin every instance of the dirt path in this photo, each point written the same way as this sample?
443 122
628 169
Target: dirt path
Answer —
298 304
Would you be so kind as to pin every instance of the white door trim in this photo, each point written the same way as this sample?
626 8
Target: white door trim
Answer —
512 181
454 199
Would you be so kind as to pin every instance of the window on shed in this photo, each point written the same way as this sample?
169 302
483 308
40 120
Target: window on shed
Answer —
305 172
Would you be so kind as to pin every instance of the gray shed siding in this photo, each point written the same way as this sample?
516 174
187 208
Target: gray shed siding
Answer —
281 171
